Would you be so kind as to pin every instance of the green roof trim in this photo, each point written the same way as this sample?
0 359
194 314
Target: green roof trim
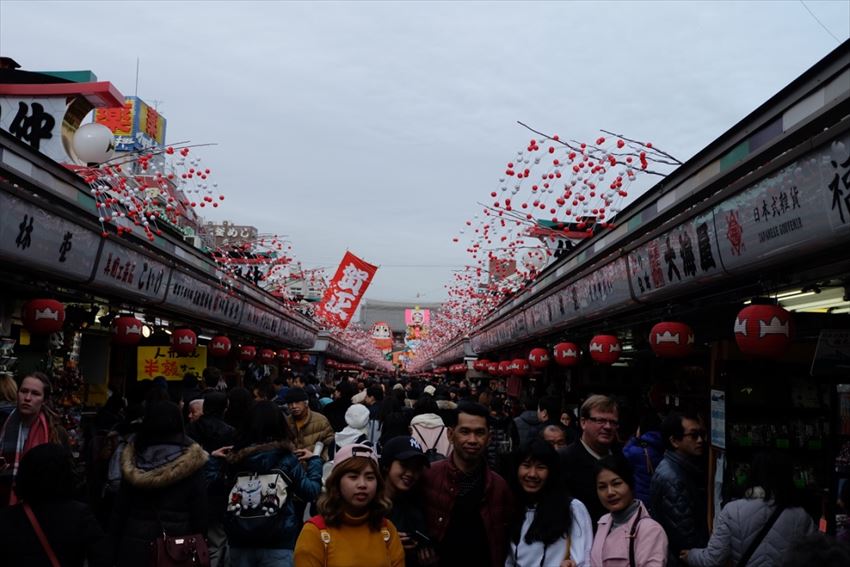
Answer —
73 76
734 156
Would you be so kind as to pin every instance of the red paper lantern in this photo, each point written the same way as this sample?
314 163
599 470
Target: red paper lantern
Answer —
459 368
267 356
566 354
605 349
504 368
247 353
480 365
520 367
763 330
538 358
493 368
43 316
126 330
183 341
219 346
283 355
670 339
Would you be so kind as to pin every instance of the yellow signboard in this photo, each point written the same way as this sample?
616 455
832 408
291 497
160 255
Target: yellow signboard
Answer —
153 361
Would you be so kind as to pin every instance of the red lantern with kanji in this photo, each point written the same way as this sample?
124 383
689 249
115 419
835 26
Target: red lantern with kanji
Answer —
247 353
504 368
670 339
493 368
126 330
459 368
763 330
538 358
267 356
480 365
43 316
566 354
283 355
219 346
605 349
183 341
520 367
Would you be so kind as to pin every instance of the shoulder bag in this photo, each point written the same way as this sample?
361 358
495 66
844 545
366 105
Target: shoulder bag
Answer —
745 558
41 537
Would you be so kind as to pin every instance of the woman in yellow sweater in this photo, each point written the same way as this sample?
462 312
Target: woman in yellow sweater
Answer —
351 529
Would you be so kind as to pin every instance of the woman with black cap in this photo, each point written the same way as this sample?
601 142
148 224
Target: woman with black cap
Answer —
402 463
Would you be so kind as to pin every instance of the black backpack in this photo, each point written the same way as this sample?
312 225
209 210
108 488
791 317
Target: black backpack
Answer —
431 452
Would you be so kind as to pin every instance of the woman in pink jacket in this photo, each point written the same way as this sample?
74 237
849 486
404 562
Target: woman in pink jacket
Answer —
626 536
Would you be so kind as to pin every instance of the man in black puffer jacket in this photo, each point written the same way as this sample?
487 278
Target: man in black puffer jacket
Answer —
678 498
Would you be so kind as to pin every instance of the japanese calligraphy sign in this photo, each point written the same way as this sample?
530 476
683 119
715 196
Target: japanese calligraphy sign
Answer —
153 361
33 237
795 210
345 290
685 255
136 125
191 295
36 121
604 289
131 273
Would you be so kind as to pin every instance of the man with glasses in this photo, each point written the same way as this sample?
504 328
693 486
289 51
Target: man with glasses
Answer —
599 419
678 498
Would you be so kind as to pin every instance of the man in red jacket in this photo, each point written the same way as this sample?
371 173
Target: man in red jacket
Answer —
468 506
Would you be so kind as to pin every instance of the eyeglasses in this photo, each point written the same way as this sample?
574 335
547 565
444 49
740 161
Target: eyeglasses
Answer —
602 421
701 434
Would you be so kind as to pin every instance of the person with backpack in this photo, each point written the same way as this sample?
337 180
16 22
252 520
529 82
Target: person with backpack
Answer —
351 529
762 528
626 535
264 475
644 452
429 430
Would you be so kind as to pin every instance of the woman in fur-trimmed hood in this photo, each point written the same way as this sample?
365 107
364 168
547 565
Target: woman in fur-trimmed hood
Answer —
162 486
266 446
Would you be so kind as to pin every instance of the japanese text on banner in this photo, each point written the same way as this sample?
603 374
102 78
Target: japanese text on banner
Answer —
156 361
345 290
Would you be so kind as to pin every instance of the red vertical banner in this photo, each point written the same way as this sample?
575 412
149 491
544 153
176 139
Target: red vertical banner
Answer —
346 290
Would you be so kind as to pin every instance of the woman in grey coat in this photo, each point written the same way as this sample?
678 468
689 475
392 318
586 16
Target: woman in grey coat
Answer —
740 521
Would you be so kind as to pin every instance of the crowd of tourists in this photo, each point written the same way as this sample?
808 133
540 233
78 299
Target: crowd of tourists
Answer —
370 472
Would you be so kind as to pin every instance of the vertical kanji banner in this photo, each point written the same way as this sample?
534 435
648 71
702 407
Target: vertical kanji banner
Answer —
345 290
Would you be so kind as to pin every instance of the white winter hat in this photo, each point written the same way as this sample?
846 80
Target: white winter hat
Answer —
430 390
357 416
358 397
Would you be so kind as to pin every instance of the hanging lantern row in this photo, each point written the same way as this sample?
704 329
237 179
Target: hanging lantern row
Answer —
459 368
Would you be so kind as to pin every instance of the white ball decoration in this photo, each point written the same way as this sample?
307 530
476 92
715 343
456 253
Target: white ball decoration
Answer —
94 143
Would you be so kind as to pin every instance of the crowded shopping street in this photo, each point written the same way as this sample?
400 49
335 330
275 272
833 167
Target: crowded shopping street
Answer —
406 283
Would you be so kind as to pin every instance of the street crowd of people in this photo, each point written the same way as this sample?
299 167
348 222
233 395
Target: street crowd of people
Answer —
369 472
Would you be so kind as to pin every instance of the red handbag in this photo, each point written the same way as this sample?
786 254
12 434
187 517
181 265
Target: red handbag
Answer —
180 551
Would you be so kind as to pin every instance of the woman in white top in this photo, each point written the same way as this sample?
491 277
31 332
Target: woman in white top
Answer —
550 529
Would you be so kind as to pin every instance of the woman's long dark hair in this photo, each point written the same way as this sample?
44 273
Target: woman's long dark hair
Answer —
552 515
773 472
265 423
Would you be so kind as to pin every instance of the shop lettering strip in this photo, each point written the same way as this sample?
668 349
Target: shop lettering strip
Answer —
131 274
34 238
258 320
604 289
195 297
292 333
686 255
798 209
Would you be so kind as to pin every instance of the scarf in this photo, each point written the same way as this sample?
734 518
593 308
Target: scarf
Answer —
39 434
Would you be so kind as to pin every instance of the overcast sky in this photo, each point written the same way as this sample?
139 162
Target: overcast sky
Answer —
377 126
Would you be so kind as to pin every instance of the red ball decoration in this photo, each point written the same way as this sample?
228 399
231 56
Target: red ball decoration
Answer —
504 368
283 355
605 349
126 330
493 368
219 346
480 365
566 354
459 368
247 353
267 356
183 341
520 367
670 339
43 316
763 330
538 358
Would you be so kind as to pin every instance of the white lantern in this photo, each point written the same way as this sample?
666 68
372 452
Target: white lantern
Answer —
94 143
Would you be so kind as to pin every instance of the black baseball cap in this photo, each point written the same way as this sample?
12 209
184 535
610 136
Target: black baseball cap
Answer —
403 448
295 395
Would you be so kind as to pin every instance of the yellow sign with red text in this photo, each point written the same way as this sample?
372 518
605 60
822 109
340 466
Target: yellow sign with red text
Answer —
153 361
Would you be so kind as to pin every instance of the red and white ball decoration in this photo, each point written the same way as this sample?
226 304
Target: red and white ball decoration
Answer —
184 341
493 368
283 356
219 346
671 339
538 358
566 354
247 353
126 330
520 367
43 316
504 368
763 330
605 349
